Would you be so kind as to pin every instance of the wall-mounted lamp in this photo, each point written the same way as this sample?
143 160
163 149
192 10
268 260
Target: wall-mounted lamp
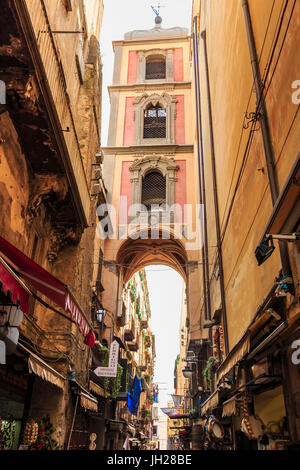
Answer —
100 315
187 372
264 250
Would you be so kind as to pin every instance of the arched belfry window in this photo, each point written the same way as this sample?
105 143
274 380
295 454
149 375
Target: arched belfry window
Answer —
153 189
155 119
155 67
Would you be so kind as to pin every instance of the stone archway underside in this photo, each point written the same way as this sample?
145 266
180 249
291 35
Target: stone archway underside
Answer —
137 254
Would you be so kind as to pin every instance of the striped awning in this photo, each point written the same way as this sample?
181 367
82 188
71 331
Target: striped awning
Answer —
88 402
210 403
229 407
236 354
96 389
40 368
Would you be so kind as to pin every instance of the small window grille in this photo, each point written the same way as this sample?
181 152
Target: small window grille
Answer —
155 122
155 68
153 189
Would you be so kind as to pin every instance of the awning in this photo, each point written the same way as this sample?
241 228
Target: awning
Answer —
88 402
96 389
13 287
173 414
286 201
236 354
47 284
229 407
210 403
40 368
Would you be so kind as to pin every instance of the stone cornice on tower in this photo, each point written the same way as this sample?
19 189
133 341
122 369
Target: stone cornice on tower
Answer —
143 150
156 33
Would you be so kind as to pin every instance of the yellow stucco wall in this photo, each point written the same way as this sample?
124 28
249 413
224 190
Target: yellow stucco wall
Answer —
231 83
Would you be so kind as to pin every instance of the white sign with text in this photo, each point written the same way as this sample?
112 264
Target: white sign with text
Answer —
111 370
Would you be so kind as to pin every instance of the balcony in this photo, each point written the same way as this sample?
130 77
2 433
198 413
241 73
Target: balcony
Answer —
134 346
54 113
129 333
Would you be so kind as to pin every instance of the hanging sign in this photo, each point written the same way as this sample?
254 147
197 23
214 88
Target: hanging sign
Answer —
111 370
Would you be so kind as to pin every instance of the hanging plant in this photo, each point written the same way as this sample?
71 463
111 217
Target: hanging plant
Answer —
209 371
112 385
147 341
116 383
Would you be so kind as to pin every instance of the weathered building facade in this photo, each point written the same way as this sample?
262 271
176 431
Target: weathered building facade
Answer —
50 186
246 71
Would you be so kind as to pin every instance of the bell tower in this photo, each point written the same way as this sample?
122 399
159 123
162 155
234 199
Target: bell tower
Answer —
149 159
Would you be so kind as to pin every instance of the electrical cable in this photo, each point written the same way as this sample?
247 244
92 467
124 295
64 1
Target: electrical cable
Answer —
250 139
243 129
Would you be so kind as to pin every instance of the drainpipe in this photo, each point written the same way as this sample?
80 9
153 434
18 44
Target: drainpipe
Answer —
216 202
201 176
265 129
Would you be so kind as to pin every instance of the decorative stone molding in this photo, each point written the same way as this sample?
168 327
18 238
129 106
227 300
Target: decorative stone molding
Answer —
46 188
141 166
141 102
61 237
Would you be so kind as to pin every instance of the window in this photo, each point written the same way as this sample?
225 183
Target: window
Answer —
155 68
153 189
155 118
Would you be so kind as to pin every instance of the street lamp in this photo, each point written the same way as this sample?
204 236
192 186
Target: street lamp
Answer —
187 372
100 315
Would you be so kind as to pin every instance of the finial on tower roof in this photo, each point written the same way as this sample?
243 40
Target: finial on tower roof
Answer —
158 18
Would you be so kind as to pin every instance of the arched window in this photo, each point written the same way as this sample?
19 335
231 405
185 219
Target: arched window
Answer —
155 67
153 189
155 118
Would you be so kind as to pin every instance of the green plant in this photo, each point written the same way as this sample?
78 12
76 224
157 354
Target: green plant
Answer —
112 385
193 414
147 341
209 371
8 431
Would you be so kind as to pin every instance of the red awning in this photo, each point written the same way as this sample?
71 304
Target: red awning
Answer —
13 289
47 284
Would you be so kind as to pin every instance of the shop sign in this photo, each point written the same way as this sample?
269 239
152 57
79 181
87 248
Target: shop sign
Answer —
111 370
